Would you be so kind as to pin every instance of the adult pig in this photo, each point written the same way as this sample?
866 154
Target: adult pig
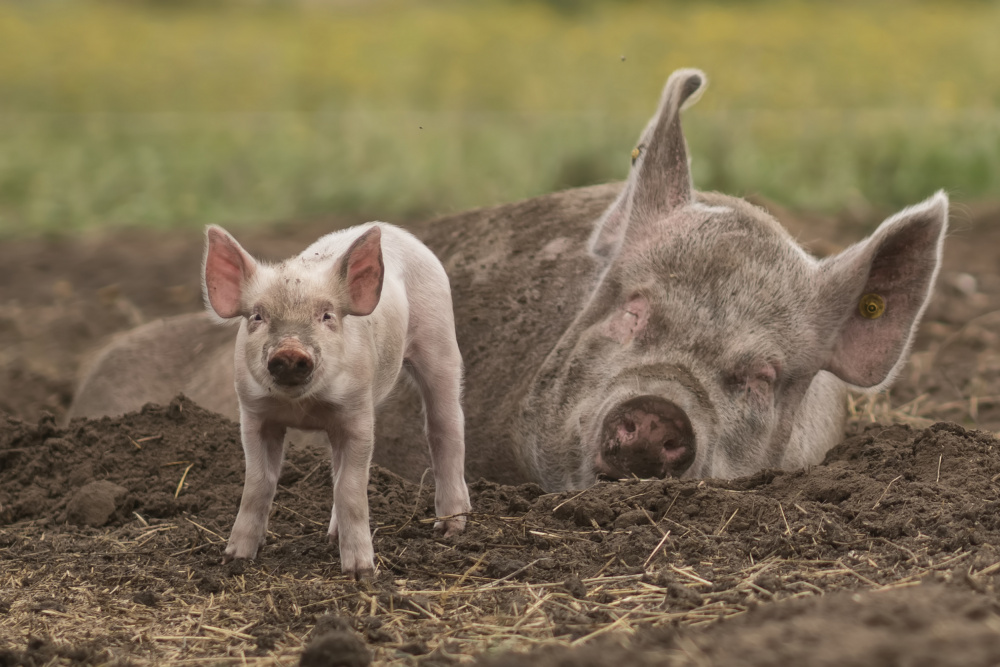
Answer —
645 330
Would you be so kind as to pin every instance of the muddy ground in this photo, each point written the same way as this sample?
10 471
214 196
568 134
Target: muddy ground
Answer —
111 531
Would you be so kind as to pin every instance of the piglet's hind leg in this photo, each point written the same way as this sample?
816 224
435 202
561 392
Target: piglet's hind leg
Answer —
438 375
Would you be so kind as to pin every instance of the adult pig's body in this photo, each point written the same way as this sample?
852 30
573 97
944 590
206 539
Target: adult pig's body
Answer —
648 330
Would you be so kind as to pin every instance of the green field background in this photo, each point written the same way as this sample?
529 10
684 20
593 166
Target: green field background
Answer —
173 113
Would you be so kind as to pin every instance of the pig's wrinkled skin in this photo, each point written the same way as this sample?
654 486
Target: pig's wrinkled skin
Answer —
681 334
322 340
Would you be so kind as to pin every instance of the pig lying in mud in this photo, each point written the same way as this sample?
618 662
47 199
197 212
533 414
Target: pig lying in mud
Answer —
322 340
647 330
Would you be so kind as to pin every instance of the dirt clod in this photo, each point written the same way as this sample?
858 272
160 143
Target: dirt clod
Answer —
337 648
95 503
575 587
147 598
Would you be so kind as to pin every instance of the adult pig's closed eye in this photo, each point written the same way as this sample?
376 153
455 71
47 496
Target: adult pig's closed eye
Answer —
755 383
629 320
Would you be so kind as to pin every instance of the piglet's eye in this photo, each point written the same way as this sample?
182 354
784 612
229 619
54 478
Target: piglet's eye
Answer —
257 317
327 317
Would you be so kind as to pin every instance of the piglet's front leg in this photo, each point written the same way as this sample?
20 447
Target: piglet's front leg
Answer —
263 449
352 454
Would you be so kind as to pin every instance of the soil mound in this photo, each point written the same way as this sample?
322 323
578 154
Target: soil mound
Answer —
922 625
112 530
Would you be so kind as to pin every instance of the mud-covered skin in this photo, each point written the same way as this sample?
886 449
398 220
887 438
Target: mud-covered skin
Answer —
723 306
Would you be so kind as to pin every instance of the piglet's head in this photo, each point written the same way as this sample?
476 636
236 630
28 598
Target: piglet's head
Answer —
292 314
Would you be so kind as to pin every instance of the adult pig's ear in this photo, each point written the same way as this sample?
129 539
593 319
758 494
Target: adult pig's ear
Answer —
226 269
873 294
361 270
660 178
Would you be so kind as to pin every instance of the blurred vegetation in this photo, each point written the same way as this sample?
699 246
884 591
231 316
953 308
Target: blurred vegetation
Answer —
189 112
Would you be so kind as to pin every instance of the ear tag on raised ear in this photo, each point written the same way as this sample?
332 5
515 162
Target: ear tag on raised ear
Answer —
635 154
871 306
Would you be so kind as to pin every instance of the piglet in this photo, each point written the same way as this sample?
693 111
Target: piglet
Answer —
322 340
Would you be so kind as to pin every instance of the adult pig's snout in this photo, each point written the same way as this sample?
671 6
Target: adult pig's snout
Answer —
646 436
290 364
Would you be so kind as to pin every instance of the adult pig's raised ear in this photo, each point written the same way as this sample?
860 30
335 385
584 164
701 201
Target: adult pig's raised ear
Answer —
873 294
226 269
660 178
360 270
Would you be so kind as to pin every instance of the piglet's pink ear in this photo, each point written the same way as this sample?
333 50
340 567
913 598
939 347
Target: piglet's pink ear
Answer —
361 269
874 293
226 268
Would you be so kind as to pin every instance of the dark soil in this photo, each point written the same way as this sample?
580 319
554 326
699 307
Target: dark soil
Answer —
114 532
111 531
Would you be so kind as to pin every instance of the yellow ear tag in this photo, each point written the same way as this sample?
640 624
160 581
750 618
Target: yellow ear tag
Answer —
635 154
871 306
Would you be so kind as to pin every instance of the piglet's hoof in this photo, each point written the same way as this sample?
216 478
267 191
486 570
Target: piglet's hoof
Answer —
364 575
450 526
229 558
233 552
361 573
357 563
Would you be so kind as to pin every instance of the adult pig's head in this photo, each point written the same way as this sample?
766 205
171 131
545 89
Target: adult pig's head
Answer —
707 346
292 339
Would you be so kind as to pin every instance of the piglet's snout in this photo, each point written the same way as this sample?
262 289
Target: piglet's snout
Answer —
647 436
290 364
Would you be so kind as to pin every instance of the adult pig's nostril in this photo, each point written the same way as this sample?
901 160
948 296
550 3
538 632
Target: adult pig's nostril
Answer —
647 436
290 366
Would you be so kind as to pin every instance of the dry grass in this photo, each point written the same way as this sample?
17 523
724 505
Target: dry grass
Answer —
951 379
878 409
460 614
